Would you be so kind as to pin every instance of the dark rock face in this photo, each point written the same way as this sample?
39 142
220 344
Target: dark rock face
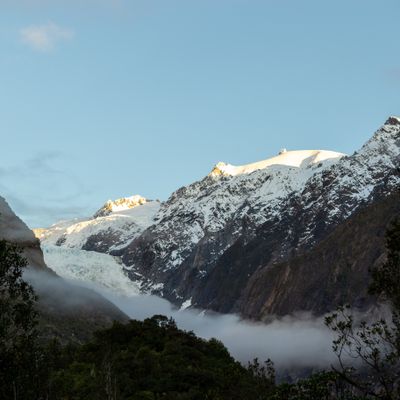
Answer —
333 273
393 121
102 241
14 230
67 311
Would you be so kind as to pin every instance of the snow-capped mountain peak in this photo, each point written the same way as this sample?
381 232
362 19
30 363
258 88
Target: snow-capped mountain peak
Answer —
296 159
384 144
125 203
393 120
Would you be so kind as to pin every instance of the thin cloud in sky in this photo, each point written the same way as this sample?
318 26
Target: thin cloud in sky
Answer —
41 192
45 37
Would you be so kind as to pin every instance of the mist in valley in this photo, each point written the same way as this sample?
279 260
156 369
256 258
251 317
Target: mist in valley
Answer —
291 342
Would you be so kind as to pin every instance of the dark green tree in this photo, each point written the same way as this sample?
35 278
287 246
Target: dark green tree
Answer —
18 356
154 359
369 353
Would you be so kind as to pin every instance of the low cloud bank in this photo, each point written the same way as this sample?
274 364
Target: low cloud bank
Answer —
296 342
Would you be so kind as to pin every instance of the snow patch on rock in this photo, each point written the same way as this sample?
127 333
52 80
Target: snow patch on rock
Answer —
122 204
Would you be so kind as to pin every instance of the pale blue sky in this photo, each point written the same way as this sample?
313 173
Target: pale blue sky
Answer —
109 98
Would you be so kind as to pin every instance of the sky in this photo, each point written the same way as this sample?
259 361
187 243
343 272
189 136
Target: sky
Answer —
101 99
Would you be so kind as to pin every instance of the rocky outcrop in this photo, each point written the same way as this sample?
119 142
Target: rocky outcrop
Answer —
122 204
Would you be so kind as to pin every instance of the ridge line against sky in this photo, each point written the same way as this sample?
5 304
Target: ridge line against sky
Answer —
105 99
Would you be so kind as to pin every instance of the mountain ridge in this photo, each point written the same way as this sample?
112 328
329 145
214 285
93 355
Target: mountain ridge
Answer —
291 209
295 158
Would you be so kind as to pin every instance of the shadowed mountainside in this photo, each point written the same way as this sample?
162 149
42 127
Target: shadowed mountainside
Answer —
67 311
335 272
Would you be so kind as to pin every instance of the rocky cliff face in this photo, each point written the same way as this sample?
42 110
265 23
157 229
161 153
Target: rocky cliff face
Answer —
212 242
15 231
67 311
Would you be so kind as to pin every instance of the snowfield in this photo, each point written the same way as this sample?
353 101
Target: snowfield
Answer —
89 266
299 159
123 225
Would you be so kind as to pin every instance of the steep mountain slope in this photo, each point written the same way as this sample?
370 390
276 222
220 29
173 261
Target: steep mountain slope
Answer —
67 311
199 213
292 207
329 198
334 272
212 242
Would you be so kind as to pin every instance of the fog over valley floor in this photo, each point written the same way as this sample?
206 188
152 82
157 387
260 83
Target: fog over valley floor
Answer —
293 341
